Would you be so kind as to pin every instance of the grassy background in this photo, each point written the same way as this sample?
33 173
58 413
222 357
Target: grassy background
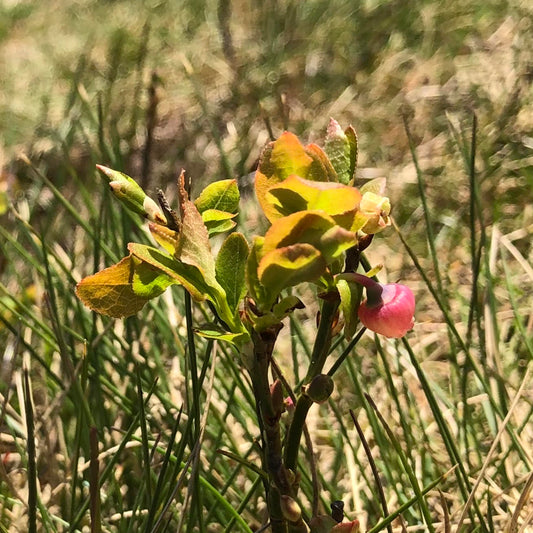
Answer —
150 87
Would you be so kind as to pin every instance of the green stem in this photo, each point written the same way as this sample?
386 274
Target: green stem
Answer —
318 358
292 447
195 409
323 339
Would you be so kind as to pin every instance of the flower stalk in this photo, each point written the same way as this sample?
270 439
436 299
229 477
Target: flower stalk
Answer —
318 359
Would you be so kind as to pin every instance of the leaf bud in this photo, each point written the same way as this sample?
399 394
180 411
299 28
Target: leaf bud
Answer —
337 510
320 388
290 509
321 524
132 195
276 393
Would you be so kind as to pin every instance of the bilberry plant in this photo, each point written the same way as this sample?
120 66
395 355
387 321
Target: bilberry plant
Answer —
319 225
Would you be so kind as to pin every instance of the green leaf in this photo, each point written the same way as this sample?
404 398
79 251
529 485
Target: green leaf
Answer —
286 306
189 276
230 268
350 294
124 288
218 221
192 278
221 195
341 148
297 194
238 339
311 227
289 266
257 291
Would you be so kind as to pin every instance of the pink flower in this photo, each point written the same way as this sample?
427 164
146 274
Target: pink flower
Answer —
388 310
346 527
392 314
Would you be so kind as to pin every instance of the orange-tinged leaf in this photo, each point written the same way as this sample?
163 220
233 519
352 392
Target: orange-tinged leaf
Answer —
193 246
335 241
288 157
279 160
122 289
303 226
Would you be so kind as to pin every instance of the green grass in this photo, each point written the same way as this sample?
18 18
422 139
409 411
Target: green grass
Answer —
135 425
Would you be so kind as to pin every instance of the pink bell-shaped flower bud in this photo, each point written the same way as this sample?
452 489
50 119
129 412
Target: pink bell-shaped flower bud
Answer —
389 309
346 527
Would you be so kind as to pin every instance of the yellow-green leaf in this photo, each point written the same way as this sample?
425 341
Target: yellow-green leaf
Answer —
350 294
256 290
238 339
221 195
165 237
122 289
218 221
311 227
279 160
286 306
297 194
189 276
289 266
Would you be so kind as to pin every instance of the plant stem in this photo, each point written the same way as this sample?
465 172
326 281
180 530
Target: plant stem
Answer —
323 338
269 423
318 358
